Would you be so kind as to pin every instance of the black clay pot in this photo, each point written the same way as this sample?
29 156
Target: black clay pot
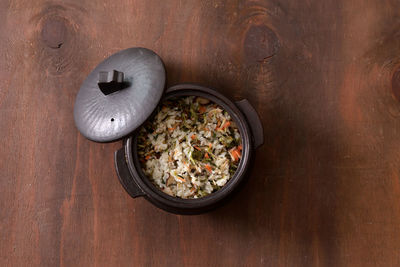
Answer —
137 184
122 92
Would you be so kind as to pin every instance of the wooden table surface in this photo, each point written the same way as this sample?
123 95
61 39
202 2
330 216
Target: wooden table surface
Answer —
323 75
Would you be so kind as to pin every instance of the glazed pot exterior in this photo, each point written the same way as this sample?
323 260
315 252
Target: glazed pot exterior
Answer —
137 184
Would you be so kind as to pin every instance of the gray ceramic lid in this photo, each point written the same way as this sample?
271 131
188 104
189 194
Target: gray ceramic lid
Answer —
119 94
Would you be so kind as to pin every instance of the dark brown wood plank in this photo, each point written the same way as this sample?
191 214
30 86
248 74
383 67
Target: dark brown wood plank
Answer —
323 75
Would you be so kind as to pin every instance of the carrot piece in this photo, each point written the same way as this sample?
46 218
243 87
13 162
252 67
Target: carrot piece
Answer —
193 137
198 148
210 145
208 167
240 147
147 157
206 156
180 179
226 125
202 109
235 154
171 129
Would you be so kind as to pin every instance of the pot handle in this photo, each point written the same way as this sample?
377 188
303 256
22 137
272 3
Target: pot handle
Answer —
124 175
254 121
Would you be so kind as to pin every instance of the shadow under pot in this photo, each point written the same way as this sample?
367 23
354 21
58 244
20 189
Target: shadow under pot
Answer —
137 184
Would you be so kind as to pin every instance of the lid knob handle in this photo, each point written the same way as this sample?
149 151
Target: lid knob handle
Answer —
111 81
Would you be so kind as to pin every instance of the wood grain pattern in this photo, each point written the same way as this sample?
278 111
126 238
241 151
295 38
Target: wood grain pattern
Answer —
323 75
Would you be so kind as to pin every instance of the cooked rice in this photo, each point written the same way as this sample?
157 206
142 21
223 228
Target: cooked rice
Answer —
191 148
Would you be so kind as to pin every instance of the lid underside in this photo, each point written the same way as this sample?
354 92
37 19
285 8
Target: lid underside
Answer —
105 117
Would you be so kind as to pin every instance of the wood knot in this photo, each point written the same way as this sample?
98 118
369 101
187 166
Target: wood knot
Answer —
60 38
54 32
396 84
260 44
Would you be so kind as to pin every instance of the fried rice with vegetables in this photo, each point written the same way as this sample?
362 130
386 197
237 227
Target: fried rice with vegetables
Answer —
191 148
